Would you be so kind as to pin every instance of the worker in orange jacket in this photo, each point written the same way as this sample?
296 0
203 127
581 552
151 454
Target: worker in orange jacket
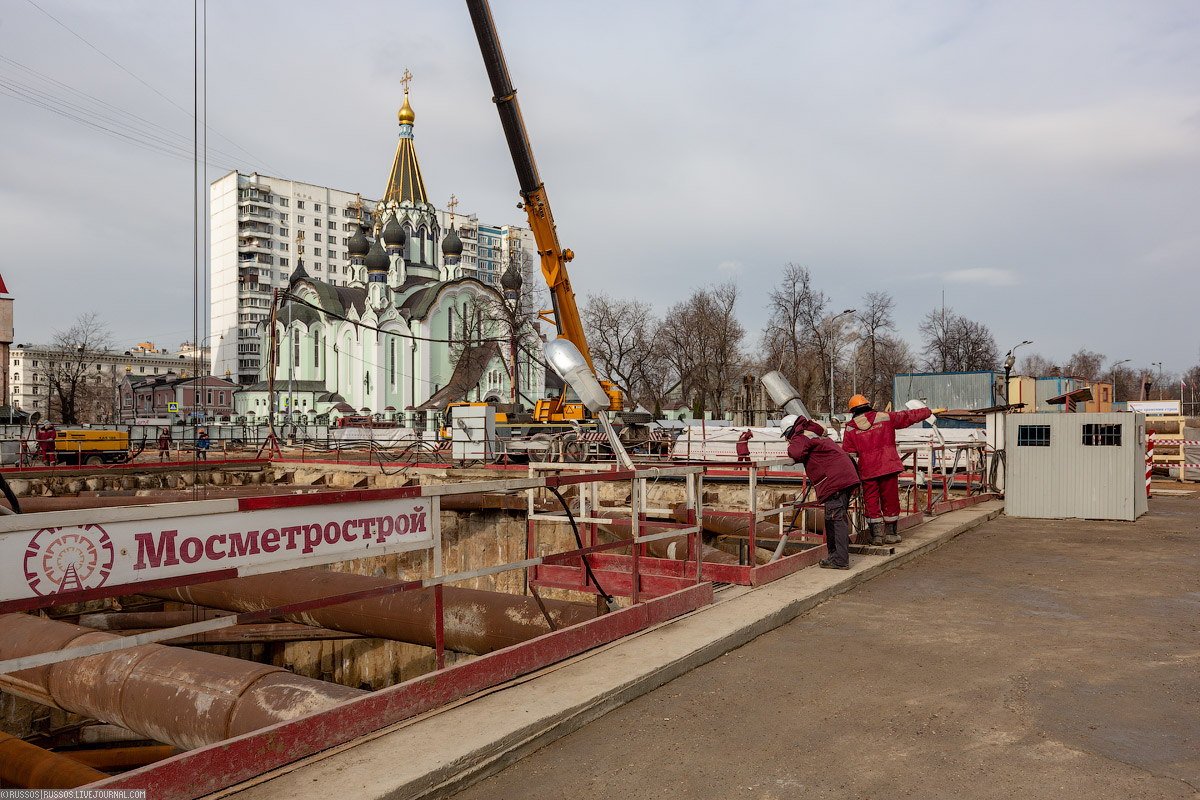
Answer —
871 437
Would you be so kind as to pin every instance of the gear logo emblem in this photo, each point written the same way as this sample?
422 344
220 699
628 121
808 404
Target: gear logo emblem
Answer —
68 559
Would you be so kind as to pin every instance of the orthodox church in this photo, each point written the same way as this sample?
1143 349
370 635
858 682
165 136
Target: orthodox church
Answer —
403 336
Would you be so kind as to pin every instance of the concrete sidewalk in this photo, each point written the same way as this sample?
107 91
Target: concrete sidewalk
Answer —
440 753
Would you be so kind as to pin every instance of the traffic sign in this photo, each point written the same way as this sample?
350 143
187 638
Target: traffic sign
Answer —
173 408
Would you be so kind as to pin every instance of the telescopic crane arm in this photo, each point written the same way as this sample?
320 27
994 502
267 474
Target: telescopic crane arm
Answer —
533 191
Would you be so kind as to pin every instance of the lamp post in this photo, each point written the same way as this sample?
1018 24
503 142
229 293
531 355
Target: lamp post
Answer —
1112 373
832 354
1160 387
1010 361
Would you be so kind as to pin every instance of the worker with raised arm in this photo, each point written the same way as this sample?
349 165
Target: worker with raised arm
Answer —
871 436
833 476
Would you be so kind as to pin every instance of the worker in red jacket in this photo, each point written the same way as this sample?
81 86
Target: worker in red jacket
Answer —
871 435
834 477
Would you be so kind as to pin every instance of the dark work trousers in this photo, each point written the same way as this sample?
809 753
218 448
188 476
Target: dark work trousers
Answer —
882 498
837 526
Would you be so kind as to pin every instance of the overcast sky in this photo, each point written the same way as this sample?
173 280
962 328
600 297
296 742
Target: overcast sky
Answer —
1038 161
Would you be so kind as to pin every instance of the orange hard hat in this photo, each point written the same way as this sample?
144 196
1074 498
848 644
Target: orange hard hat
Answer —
858 400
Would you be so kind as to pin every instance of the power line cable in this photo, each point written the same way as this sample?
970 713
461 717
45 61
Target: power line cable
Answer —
184 140
151 146
131 74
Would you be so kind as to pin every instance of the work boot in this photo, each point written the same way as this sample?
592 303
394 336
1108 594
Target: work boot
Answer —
877 533
892 536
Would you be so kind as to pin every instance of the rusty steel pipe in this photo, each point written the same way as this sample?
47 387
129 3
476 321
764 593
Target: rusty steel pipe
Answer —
27 766
476 621
169 694
121 757
140 620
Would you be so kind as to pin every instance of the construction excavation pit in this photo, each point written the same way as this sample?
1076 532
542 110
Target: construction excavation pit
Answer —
185 628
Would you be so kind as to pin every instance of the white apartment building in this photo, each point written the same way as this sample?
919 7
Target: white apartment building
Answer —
29 382
255 223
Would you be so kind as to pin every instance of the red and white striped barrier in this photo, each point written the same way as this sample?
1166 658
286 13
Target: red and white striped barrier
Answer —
1149 460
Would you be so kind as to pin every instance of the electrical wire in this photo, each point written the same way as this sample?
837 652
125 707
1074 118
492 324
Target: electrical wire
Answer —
608 598
137 78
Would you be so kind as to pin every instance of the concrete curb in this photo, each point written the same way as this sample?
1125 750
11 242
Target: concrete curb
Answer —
444 752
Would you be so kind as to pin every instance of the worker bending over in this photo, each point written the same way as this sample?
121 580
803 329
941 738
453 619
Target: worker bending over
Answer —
871 435
834 477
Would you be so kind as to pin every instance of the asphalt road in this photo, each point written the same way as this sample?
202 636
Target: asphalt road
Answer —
1025 659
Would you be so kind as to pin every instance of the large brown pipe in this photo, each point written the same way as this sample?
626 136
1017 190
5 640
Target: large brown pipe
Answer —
27 766
476 621
169 694
122 757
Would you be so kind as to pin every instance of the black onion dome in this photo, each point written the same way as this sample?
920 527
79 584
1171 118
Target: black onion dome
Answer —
393 234
452 245
358 245
377 259
510 281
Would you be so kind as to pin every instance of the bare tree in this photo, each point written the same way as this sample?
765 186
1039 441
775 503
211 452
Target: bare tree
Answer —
1085 364
874 320
954 343
70 371
702 340
793 339
1038 366
619 334
509 322
894 357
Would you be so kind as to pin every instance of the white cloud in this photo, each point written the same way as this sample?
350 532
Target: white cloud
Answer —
984 275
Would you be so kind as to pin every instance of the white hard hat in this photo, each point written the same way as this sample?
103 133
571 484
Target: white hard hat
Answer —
787 423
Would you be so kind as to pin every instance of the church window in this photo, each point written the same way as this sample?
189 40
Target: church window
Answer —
317 353
450 324
392 362
295 347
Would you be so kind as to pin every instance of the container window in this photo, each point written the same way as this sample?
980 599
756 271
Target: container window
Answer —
1102 435
1033 436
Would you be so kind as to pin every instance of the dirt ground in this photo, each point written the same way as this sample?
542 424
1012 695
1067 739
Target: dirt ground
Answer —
1025 659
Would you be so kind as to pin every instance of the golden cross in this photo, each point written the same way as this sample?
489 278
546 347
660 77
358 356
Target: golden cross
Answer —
453 204
299 243
407 77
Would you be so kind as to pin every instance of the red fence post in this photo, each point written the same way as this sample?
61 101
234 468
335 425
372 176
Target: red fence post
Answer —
439 631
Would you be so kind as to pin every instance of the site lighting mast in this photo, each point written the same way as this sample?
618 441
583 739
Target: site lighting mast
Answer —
1160 387
1010 361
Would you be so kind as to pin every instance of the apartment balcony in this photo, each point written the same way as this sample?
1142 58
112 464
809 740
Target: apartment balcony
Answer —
254 213
255 258
255 227
253 246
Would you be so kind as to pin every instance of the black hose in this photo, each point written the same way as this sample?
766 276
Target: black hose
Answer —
608 598
8 492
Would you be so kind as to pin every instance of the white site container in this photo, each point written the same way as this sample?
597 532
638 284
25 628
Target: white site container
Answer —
474 434
1085 466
